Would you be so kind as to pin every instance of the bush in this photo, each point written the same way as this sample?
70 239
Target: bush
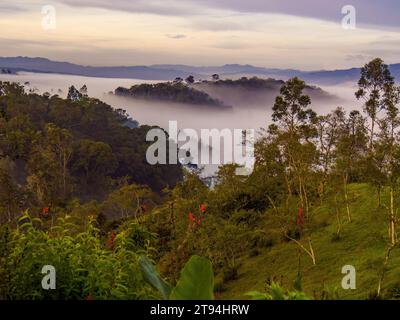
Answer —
85 268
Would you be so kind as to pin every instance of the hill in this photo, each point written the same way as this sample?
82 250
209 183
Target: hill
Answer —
255 91
171 92
361 244
241 92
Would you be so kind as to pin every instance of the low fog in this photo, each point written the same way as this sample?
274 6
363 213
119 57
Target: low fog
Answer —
249 111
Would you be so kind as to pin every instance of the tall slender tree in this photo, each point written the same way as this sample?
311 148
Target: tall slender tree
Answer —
294 130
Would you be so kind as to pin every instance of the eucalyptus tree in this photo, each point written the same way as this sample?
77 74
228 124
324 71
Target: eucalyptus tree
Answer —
350 151
387 150
328 129
373 87
378 90
294 131
381 95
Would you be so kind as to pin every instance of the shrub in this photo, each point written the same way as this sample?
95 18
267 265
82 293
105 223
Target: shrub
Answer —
84 266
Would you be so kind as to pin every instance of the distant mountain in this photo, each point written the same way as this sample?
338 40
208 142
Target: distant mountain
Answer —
316 77
170 72
234 70
42 65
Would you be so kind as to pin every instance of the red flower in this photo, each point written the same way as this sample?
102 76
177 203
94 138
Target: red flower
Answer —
202 208
300 217
191 217
111 240
45 211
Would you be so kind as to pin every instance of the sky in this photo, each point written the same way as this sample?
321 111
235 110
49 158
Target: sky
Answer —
302 34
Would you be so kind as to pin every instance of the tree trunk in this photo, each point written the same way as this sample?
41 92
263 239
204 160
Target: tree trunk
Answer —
346 197
310 252
338 217
289 193
305 198
371 141
382 276
301 193
393 237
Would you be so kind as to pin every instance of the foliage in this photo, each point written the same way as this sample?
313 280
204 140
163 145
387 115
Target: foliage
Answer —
173 92
195 283
85 267
276 292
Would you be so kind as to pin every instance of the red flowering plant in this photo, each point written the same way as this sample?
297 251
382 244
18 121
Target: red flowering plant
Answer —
45 212
296 225
300 218
111 241
197 220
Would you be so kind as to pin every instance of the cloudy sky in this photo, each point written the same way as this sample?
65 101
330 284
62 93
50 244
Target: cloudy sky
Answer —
305 34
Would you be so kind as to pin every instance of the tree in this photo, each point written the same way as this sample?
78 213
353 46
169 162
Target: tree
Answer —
378 88
11 195
374 84
178 80
74 94
190 79
83 90
48 165
328 128
127 201
351 147
60 142
387 151
294 130
92 163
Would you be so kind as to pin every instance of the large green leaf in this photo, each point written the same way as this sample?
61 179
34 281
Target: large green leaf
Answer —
153 277
196 281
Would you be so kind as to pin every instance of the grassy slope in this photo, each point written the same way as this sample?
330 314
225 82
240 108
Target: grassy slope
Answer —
363 245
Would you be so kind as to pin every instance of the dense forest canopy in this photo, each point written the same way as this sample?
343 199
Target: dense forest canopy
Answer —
176 91
56 148
76 193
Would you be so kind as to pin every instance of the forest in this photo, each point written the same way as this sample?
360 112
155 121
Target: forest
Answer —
176 91
76 193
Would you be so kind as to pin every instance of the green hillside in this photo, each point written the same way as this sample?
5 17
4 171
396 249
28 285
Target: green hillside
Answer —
362 243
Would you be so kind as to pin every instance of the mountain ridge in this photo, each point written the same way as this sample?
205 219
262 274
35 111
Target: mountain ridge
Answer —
172 71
